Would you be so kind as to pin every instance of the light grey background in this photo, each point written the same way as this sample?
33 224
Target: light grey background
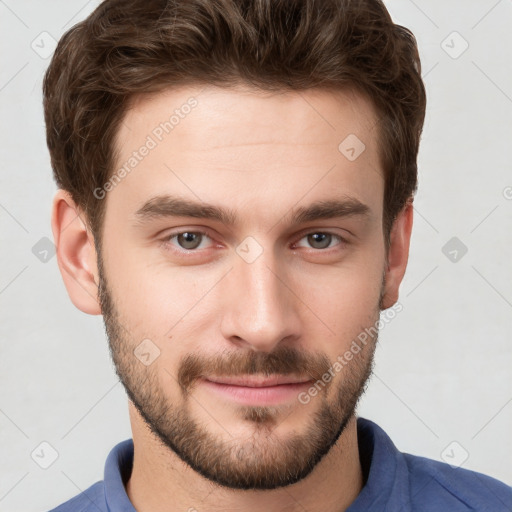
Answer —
443 364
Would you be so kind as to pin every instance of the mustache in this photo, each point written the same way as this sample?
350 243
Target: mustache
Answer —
283 361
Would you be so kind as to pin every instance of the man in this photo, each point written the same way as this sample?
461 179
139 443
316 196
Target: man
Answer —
235 198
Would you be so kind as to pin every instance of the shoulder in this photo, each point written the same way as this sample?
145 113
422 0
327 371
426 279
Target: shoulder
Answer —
441 484
94 499
90 500
399 481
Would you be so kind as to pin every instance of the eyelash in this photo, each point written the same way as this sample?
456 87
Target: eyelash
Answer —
166 242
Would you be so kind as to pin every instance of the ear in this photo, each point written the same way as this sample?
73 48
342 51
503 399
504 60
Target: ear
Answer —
398 255
76 253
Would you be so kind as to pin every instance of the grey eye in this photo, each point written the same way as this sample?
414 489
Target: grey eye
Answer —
319 240
189 239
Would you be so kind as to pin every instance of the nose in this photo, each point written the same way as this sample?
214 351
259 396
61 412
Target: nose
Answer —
260 307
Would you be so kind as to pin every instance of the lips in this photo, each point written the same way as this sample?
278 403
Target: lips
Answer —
253 381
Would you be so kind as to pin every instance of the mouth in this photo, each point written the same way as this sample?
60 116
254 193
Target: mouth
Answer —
254 381
257 390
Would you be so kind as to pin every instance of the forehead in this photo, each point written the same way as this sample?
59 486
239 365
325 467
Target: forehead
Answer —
258 152
241 114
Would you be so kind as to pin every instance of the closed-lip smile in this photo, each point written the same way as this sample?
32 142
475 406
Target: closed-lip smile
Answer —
255 381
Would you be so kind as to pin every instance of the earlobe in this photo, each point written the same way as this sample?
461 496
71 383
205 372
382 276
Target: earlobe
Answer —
398 255
76 253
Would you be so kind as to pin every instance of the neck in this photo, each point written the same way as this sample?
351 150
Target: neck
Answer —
161 482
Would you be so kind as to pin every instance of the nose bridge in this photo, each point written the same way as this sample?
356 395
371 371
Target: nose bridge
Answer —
260 309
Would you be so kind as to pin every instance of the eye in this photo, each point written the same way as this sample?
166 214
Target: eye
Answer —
322 240
187 240
190 241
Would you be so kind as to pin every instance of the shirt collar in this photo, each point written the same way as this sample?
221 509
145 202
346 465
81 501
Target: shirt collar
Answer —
118 468
386 474
387 485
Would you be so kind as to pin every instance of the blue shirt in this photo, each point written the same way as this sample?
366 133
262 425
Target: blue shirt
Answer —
393 482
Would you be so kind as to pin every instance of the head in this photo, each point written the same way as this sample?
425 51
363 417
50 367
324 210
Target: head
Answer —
236 182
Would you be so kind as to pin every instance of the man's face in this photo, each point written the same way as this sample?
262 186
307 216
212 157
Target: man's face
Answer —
188 298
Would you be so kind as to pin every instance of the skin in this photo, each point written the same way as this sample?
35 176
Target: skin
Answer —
293 310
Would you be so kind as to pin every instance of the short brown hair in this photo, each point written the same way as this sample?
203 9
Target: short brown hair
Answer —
128 47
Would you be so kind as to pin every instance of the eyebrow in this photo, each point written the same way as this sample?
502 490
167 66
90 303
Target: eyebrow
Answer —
165 206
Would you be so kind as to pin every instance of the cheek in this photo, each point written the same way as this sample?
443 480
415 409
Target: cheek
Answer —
171 306
344 299
159 304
